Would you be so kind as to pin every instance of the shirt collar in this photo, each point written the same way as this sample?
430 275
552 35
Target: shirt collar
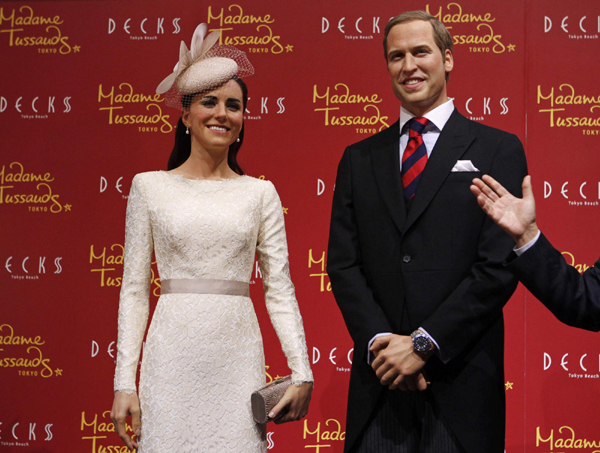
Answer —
438 117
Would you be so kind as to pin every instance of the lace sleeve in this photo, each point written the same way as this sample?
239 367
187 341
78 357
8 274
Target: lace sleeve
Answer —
279 291
134 303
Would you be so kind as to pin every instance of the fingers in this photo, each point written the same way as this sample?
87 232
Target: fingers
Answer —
380 343
421 382
280 408
495 185
527 190
119 421
123 406
294 404
410 383
136 425
488 189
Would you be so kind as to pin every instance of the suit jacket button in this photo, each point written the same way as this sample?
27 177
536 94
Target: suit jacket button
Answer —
406 258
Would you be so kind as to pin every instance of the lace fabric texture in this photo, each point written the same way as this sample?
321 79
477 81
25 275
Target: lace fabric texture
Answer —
203 356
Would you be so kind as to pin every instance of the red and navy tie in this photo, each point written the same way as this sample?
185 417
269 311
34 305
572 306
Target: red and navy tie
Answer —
414 157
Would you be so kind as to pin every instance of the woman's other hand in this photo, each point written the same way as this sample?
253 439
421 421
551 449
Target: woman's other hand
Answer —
293 405
125 405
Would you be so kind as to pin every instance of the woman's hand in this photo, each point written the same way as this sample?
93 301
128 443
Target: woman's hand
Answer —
125 405
293 404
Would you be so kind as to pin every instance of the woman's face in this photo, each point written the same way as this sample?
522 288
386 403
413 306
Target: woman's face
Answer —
215 118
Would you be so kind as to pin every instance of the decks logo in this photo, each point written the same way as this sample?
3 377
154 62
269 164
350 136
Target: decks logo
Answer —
340 106
30 189
32 267
355 28
24 27
24 354
341 359
36 108
143 28
576 366
575 193
259 106
573 27
125 107
113 185
24 434
479 108
252 33
567 107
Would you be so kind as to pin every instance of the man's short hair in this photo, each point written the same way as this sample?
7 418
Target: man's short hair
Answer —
441 35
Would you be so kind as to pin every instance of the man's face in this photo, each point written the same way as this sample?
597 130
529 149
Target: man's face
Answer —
417 67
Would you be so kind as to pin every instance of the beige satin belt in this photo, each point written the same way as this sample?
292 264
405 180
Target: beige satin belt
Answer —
204 286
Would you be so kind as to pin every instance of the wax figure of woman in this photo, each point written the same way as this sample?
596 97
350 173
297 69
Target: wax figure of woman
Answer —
204 221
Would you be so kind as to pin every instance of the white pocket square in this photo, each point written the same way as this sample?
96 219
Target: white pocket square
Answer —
464 165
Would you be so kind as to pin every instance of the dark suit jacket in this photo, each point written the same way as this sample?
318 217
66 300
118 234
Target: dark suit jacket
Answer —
573 298
443 260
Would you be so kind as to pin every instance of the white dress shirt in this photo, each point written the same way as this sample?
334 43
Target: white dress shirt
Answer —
438 117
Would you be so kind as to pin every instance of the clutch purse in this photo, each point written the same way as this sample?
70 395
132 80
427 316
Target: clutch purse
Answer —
266 398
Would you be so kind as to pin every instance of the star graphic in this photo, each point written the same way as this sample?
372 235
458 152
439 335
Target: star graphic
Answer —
289 48
76 48
285 210
58 372
511 47
508 385
67 207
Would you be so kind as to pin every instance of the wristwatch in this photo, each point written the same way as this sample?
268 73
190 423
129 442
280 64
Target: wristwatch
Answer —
422 344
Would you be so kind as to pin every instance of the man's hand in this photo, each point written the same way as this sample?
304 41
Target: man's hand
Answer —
516 216
396 363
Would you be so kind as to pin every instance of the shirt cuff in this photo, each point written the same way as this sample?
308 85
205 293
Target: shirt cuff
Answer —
370 355
519 251
438 351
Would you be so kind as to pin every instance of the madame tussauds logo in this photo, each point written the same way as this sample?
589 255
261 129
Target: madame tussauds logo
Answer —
475 30
341 107
558 103
22 27
34 190
323 435
126 107
99 431
564 438
256 32
107 262
24 354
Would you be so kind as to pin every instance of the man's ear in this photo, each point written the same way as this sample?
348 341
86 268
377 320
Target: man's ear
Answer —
448 61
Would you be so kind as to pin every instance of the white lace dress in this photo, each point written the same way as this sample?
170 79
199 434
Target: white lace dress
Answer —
204 354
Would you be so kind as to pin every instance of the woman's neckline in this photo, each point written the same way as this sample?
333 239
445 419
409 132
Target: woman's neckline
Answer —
181 176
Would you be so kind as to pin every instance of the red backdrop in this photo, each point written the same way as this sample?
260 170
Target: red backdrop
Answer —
79 118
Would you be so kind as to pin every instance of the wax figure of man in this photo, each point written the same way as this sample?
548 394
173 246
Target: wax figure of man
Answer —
411 252
573 298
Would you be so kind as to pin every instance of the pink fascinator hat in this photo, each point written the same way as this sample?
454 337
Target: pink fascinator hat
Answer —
202 68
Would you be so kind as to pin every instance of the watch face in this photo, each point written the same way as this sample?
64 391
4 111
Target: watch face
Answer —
421 343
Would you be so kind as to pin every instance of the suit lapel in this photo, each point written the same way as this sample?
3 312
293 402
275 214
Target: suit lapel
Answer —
450 146
386 169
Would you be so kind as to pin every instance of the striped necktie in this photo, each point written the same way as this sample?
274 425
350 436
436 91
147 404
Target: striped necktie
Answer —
414 157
